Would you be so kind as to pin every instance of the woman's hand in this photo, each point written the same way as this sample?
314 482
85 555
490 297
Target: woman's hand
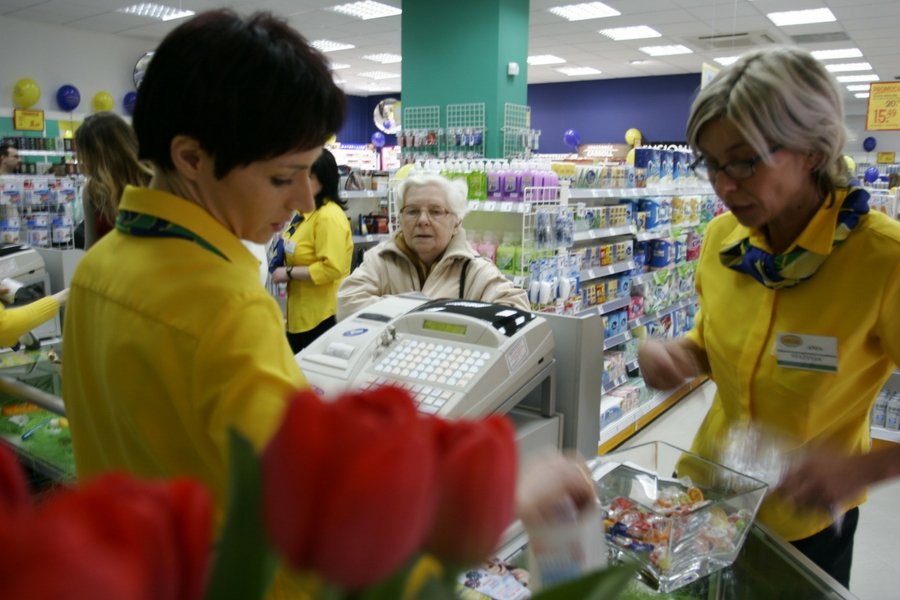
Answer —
550 481
666 365
61 297
280 275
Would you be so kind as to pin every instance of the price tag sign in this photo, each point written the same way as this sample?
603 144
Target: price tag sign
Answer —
474 205
507 206
28 120
886 158
883 113
526 207
490 206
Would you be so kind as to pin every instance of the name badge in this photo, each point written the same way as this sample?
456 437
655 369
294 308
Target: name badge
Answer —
289 247
809 352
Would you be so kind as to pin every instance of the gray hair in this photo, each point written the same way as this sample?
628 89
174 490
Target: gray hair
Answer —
455 191
780 96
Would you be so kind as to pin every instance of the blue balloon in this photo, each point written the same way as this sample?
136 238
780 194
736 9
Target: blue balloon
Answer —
572 138
872 174
869 144
378 139
68 97
128 102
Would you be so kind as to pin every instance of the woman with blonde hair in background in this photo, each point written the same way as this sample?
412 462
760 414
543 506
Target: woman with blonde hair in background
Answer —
108 154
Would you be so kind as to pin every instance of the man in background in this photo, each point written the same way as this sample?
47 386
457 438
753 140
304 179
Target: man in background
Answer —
9 158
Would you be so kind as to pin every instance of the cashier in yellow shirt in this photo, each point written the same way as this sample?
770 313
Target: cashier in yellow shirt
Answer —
799 290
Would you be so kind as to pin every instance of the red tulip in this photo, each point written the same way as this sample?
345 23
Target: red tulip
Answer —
13 487
114 538
349 486
477 475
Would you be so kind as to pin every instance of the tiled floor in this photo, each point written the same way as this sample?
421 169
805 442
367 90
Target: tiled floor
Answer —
877 543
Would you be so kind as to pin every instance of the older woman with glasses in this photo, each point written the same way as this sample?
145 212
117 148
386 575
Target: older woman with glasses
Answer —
799 288
429 254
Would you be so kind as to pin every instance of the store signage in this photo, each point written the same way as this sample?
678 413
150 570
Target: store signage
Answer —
883 113
28 120
608 151
886 158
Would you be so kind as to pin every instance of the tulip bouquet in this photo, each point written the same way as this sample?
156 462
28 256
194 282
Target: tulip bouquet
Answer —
363 497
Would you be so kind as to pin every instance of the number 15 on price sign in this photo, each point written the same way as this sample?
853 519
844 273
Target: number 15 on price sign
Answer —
884 107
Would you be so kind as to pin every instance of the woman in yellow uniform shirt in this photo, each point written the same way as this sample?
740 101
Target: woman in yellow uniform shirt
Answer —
318 249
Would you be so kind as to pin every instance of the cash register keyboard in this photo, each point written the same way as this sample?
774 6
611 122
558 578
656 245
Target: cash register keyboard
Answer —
429 365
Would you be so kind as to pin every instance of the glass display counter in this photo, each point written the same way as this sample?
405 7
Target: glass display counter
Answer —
32 418
767 567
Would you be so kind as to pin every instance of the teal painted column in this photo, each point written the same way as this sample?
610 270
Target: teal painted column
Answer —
457 53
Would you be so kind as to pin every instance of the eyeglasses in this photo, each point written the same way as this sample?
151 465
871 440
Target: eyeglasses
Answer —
737 170
433 213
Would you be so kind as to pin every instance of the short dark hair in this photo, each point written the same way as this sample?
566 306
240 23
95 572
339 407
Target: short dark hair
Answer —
326 171
5 145
246 89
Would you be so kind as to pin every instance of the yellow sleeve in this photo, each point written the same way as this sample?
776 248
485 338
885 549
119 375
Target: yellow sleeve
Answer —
333 247
15 322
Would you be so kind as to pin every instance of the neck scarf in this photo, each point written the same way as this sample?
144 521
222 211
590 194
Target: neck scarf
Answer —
788 269
141 225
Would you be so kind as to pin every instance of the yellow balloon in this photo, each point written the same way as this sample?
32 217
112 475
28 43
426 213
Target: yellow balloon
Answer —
851 164
633 137
629 158
26 93
102 101
403 172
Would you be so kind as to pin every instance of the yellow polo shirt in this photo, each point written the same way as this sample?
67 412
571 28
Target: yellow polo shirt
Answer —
324 243
17 321
167 345
854 299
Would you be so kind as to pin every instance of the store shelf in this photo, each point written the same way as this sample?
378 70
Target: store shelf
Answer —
372 238
355 194
45 152
886 435
617 339
620 381
606 307
499 206
643 320
598 272
627 425
632 365
689 190
605 232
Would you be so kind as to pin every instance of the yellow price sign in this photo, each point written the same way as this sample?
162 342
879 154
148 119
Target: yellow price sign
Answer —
883 113
886 158
28 120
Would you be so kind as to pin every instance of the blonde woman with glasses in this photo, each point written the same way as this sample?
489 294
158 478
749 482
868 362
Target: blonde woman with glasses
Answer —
430 254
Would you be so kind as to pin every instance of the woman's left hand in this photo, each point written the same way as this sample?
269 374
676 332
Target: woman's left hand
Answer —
280 275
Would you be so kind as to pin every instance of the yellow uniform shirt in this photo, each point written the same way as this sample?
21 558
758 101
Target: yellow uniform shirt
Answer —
853 298
15 322
167 345
324 243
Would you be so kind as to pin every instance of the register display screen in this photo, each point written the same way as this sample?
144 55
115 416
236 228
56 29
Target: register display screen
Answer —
454 328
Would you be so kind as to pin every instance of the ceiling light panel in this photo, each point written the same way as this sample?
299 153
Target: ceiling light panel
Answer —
155 11
384 58
844 67
726 60
584 11
801 17
857 78
330 46
862 95
639 32
366 10
545 59
862 87
378 75
579 71
338 66
833 54
666 50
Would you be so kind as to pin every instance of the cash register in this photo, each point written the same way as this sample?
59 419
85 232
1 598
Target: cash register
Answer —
458 358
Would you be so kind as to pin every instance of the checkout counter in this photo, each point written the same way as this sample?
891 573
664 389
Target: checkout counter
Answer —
766 567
